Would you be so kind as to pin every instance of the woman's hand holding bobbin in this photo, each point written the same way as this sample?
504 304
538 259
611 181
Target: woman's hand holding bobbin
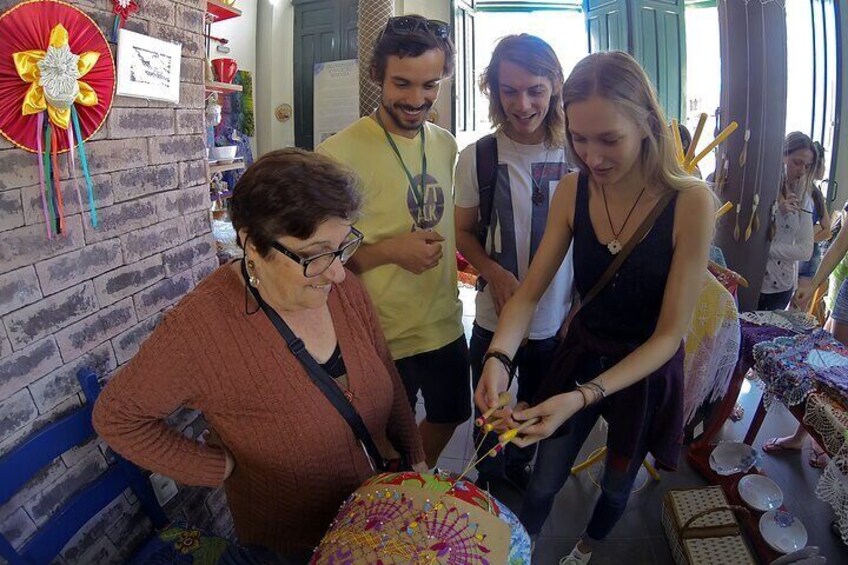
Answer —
551 414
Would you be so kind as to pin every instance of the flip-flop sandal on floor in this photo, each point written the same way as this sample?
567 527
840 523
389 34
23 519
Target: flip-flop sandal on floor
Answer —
771 446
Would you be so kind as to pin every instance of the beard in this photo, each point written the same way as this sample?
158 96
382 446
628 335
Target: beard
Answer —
395 113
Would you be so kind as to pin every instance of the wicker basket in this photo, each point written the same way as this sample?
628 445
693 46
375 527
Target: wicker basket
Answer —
702 529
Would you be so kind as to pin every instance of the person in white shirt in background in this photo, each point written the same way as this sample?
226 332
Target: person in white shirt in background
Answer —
524 84
791 230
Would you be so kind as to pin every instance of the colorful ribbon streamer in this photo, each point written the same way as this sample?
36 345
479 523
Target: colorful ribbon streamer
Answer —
74 168
57 183
84 164
41 183
48 176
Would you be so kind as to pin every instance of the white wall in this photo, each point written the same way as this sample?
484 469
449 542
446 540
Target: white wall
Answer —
241 32
275 73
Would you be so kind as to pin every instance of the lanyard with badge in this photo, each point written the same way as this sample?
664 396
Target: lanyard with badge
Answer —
417 190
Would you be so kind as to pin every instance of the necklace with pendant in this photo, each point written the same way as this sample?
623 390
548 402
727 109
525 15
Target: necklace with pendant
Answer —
538 197
615 246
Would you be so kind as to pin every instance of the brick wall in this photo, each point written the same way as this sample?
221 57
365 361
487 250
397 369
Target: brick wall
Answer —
91 297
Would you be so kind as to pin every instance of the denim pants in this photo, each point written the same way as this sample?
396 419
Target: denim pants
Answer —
534 359
553 467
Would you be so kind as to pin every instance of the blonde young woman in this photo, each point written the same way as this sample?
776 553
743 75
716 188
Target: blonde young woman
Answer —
623 355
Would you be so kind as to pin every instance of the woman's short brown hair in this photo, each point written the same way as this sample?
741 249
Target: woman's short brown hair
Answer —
290 192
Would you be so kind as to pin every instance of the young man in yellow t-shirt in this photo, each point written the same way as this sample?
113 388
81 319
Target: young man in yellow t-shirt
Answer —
405 165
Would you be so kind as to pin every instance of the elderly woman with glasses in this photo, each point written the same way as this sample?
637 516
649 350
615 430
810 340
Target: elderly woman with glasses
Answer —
282 450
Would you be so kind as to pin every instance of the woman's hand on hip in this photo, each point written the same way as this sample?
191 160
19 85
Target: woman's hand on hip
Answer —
552 413
230 464
212 439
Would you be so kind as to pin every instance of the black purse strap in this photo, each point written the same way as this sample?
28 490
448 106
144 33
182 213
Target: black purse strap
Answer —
321 379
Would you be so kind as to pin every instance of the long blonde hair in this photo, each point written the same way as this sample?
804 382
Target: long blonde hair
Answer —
538 58
618 77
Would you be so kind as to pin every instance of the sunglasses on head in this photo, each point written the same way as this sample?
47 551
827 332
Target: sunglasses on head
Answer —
405 25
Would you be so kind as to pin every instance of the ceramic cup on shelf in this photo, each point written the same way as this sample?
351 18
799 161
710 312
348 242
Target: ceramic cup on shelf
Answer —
225 69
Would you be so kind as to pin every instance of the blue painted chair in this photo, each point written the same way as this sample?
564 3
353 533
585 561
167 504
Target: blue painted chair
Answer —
176 543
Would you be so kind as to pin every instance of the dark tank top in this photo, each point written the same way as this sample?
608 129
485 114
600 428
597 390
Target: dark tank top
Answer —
628 308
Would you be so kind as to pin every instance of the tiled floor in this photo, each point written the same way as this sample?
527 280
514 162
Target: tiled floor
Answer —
638 538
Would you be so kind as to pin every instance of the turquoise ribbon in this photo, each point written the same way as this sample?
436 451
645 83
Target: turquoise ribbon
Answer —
84 164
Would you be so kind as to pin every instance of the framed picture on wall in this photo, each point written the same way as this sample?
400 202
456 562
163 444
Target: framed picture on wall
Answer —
148 67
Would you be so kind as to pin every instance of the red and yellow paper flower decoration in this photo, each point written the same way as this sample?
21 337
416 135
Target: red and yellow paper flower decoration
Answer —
55 77
123 10
57 83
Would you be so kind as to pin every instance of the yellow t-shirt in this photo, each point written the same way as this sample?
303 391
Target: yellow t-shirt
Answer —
419 313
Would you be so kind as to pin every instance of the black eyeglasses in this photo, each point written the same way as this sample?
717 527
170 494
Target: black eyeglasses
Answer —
404 25
317 264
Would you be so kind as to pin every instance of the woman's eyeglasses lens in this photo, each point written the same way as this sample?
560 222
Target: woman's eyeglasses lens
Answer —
321 263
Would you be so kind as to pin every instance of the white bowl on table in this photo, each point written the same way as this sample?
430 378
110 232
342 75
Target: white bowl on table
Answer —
223 155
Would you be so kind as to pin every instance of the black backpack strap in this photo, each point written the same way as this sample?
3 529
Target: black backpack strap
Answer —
322 380
487 175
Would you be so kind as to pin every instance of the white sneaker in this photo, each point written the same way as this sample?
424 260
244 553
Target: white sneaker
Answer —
576 557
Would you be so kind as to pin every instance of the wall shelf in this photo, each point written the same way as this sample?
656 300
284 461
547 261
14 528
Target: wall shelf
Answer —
234 166
218 11
222 87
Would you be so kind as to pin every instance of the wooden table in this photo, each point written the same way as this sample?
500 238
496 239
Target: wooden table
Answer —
700 450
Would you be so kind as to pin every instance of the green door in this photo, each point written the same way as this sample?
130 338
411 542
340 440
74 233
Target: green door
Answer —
607 24
659 43
653 31
324 30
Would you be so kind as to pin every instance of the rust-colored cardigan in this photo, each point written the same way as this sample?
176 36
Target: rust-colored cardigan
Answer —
296 459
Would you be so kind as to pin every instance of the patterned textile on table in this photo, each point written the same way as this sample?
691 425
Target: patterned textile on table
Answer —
402 518
752 334
712 346
180 543
830 419
833 380
789 367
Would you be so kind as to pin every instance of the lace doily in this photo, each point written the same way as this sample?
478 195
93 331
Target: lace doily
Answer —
792 320
712 346
830 420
